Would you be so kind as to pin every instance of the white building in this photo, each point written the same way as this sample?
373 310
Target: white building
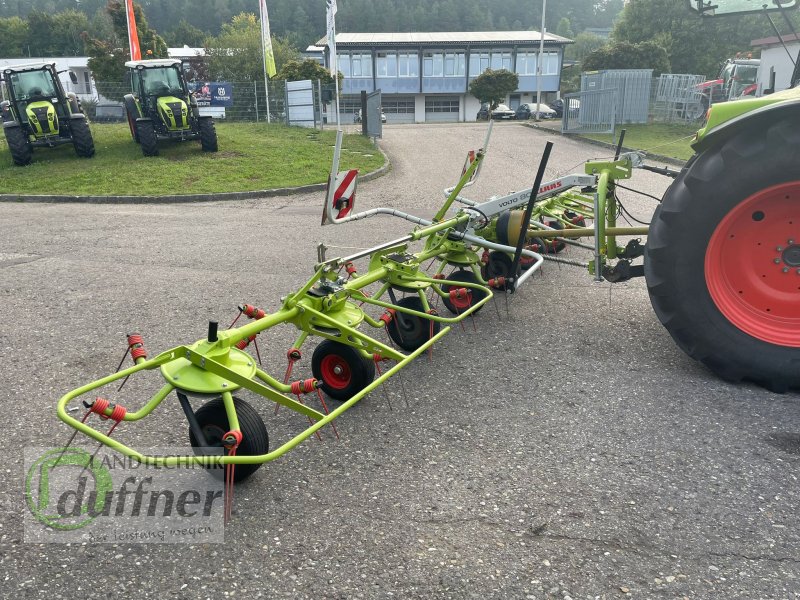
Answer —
775 61
425 76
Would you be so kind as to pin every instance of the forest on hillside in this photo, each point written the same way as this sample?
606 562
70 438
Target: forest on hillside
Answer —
303 21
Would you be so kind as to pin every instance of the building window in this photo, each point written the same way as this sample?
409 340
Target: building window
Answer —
495 60
433 64
454 64
526 63
444 105
349 105
408 64
399 106
386 64
355 65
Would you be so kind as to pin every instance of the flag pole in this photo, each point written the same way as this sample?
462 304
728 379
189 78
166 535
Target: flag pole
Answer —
332 9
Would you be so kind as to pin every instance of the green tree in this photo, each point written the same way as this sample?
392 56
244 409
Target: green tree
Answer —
236 54
13 37
68 30
693 44
107 57
493 86
296 70
186 34
585 44
622 55
564 29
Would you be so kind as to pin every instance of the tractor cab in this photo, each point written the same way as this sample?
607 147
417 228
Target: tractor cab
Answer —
162 108
39 112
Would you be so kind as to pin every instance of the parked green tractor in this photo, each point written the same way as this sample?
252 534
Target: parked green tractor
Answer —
38 113
161 107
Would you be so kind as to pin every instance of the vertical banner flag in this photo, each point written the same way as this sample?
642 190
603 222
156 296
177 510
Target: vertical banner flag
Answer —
331 4
266 40
133 36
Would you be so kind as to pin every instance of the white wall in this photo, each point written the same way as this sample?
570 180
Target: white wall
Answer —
777 59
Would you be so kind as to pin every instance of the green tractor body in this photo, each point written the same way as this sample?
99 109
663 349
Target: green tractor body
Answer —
161 107
39 113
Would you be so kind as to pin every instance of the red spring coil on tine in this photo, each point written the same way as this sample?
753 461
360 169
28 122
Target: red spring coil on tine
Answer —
497 282
460 298
304 386
388 316
100 405
294 354
242 344
253 312
439 276
350 268
485 257
136 345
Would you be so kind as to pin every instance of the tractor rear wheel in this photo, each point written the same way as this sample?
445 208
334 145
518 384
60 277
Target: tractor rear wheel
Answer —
132 113
18 145
82 139
213 422
722 260
208 135
146 133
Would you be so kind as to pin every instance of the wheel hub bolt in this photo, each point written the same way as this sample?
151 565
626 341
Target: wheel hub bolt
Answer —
777 261
785 269
337 369
779 248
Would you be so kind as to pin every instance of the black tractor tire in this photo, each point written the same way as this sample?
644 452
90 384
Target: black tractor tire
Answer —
414 331
146 133
722 264
342 369
82 139
213 422
475 295
132 113
208 135
19 145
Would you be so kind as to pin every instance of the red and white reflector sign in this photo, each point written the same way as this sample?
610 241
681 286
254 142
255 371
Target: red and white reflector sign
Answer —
344 195
471 155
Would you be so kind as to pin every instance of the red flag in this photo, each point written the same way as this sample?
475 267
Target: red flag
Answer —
133 36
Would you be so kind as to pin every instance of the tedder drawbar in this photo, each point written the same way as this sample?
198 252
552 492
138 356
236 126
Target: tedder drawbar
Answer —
332 305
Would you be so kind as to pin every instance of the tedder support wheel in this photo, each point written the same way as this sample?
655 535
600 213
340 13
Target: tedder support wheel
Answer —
475 296
722 260
82 139
499 265
18 145
208 135
213 422
146 134
342 369
409 331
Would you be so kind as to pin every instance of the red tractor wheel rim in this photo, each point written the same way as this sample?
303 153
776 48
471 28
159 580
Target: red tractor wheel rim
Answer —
752 265
336 372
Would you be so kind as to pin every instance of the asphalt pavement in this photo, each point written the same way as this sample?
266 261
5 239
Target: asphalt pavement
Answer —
558 446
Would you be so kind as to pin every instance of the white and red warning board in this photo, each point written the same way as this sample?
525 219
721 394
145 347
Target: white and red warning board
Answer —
343 198
471 155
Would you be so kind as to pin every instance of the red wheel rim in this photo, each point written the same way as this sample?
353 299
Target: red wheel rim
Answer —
335 371
752 265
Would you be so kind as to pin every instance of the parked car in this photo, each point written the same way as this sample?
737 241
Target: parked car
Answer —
558 106
528 111
501 111
357 117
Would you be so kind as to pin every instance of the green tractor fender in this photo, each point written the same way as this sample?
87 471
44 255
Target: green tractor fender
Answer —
760 117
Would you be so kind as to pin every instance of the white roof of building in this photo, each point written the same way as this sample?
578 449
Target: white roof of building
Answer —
447 37
157 62
185 52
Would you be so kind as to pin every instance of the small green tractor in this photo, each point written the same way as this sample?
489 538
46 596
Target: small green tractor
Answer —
161 107
38 113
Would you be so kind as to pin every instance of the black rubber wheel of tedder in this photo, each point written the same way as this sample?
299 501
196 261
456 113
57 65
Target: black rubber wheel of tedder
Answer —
19 145
146 133
343 370
82 139
208 135
475 295
213 422
722 260
413 331
499 265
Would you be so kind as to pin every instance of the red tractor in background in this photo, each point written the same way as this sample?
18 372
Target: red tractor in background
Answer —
737 78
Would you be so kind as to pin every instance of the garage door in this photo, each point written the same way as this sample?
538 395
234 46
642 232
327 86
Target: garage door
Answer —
441 109
398 109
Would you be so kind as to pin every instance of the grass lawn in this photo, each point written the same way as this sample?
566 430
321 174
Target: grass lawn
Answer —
666 139
252 156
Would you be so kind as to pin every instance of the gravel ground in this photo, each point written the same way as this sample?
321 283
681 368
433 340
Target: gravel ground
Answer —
563 448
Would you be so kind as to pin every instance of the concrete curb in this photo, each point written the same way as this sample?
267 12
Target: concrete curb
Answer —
185 198
657 157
